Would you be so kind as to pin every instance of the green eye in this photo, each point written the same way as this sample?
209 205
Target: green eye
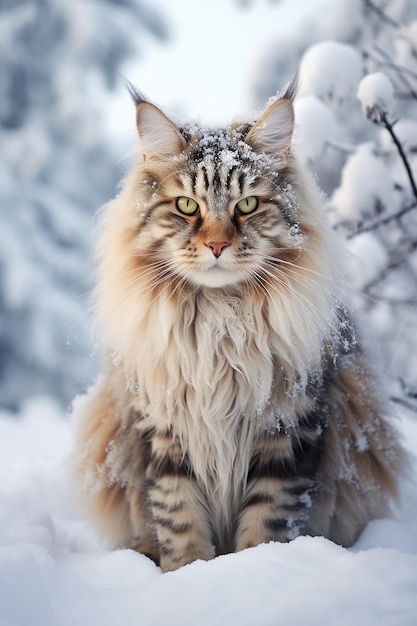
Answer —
188 206
247 205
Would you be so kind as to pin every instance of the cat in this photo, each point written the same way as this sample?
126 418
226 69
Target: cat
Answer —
238 406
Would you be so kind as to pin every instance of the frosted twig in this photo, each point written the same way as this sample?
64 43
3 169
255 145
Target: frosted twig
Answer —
410 391
380 13
405 96
366 228
344 148
407 403
390 129
399 69
410 394
397 302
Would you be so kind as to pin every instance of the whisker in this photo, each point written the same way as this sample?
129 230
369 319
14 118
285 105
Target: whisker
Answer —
331 278
306 282
307 305
153 274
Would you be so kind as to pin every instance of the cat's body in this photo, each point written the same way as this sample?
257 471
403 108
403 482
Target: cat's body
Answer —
238 407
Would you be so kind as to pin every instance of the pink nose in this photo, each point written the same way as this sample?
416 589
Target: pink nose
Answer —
217 247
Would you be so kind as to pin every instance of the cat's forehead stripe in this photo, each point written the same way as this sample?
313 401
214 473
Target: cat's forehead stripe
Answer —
228 164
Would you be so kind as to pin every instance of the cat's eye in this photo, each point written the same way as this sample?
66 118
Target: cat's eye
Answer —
247 205
188 206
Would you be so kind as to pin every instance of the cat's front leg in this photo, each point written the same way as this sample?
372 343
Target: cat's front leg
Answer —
278 495
179 511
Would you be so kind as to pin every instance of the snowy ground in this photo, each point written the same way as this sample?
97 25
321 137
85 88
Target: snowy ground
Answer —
54 572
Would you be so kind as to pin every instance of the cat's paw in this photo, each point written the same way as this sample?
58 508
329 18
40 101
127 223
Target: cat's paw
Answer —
175 559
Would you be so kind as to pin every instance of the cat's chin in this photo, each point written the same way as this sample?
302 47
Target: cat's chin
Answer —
216 277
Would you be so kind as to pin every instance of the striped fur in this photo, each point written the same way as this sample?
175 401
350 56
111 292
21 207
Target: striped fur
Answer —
238 407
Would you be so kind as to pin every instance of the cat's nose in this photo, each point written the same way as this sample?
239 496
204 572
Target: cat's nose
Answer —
217 247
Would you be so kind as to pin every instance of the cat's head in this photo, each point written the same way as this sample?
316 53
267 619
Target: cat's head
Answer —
217 207
227 209
226 215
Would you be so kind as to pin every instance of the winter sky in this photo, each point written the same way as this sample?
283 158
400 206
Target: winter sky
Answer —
204 72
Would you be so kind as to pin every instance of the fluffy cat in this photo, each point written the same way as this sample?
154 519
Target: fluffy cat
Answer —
238 406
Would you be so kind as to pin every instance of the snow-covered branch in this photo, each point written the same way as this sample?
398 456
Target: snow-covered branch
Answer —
390 128
402 72
374 225
369 171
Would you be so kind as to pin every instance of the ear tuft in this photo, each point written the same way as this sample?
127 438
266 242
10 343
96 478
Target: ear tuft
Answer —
137 96
273 132
290 90
158 135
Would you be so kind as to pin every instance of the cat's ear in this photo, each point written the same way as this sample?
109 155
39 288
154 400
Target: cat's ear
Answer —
159 136
273 132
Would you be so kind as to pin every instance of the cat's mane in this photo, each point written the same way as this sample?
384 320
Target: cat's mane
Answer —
151 331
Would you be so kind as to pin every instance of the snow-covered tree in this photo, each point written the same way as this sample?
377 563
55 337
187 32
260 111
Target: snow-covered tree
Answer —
59 60
356 116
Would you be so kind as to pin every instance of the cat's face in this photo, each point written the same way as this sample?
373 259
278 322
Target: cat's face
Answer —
215 208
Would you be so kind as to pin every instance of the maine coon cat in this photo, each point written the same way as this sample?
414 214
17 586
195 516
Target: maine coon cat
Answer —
238 406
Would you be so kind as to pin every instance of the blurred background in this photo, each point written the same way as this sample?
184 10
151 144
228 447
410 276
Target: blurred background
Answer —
67 129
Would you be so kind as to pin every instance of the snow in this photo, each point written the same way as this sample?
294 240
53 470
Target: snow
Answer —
330 70
376 94
366 187
58 166
406 132
315 125
406 44
369 258
55 572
